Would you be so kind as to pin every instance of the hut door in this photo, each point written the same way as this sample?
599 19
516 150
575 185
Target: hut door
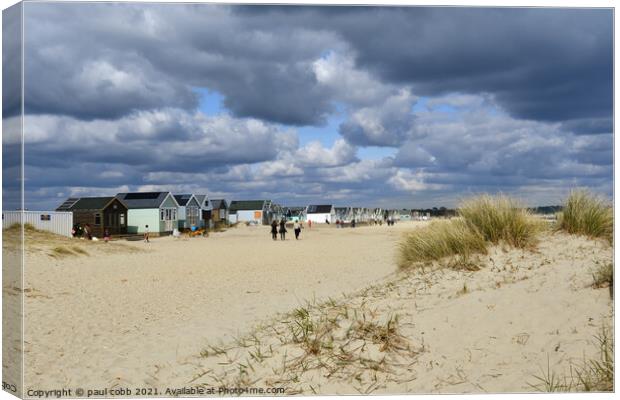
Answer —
170 217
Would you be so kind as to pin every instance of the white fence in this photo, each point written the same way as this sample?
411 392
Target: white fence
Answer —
57 222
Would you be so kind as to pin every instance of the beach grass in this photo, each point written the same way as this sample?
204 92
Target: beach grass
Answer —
603 276
61 251
592 375
440 239
586 214
501 219
483 220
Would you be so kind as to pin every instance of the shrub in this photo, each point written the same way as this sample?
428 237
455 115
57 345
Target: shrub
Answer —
586 214
501 218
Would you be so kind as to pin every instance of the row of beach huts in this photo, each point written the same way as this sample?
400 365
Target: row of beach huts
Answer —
163 212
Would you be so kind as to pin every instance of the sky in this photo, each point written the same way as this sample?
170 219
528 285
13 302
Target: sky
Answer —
363 106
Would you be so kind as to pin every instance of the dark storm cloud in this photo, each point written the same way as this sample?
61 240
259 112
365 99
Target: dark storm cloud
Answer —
11 61
541 64
109 70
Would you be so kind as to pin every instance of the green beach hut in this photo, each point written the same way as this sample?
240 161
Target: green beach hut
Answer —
158 210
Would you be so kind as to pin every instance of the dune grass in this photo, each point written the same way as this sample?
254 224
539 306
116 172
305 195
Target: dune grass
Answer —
501 219
586 214
438 240
483 220
61 251
592 375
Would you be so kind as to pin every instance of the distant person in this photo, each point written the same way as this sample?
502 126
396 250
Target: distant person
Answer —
337 223
146 234
327 221
106 235
274 230
282 229
309 224
79 231
353 223
297 229
87 232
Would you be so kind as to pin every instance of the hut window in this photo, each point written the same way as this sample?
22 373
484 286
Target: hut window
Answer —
46 217
97 219
122 219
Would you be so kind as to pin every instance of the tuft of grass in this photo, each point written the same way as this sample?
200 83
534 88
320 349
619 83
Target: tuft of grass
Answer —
79 250
598 375
438 240
586 214
483 219
27 227
61 251
603 276
594 375
501 219
386 335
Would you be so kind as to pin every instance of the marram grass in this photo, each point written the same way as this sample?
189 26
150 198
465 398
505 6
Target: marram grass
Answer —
586 214
440 239
501 218
483 220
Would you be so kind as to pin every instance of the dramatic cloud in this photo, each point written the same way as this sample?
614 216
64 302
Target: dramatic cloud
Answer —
388 123
386 106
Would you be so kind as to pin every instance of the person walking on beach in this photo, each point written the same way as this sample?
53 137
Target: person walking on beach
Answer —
297 229
274 229
146 234
282 229
106 235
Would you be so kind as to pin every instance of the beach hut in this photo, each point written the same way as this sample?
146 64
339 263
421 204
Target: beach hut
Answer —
342 213
254 211
189 211
158 210
295 214
219 211
405 215
206 209
321 213
100 213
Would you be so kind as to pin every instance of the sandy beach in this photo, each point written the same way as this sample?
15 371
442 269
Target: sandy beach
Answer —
182 312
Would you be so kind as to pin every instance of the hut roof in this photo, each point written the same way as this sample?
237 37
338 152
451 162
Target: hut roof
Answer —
183 199
218 203
320 209
143 199
66 206
85 203
247 205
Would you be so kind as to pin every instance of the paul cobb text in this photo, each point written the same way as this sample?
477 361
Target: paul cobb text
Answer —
168 392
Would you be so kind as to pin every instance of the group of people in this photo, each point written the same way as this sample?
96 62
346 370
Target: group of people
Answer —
86 232
281 229
340 223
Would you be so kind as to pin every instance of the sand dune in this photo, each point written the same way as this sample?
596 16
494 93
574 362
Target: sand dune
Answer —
217 311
